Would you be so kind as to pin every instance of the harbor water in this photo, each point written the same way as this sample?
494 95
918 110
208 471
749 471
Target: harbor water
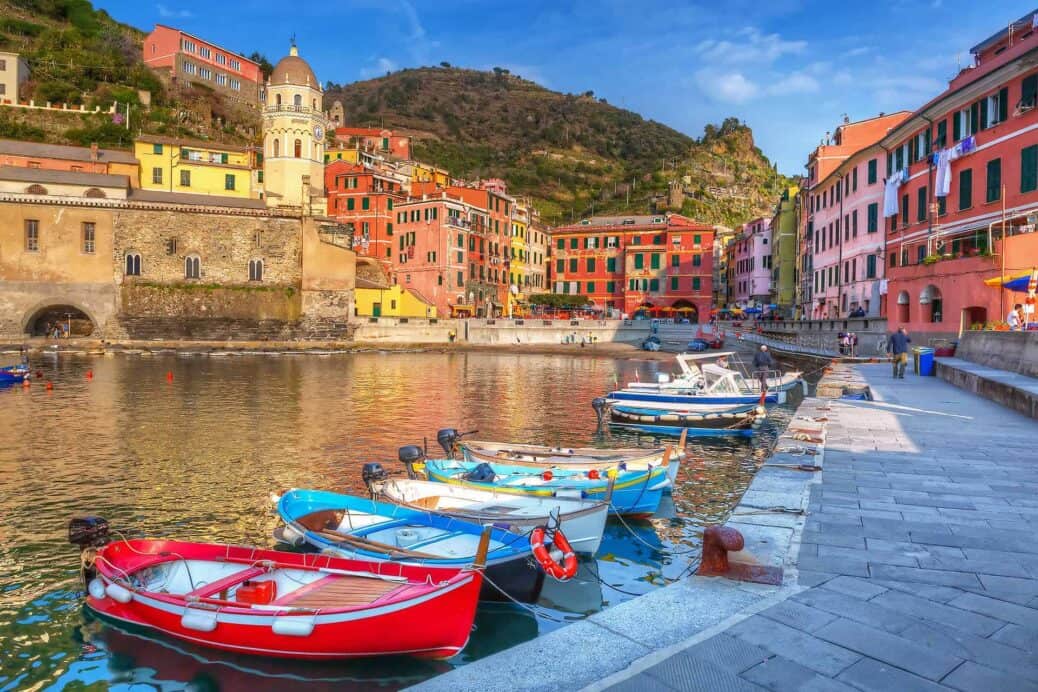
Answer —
197 457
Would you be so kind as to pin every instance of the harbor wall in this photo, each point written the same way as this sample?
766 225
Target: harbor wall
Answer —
818 337
1014 351
401 330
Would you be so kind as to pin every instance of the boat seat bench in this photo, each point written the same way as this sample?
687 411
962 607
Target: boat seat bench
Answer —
220 585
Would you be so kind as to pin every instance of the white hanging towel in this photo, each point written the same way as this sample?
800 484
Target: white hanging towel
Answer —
942 182
890 190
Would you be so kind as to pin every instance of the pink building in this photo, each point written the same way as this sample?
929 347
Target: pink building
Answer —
847 238
189 60
751 254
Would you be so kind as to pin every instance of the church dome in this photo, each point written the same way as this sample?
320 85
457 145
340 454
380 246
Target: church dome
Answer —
292 69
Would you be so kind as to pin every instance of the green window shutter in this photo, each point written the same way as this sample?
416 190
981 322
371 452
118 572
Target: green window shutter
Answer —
873 217
365 203
654 261
389 204
854 179
1029 91
697 260
975 118
957 126
921 204
994 186
965 188
590 286
1029 168
639 261
673 283
560 266
560 243
870 267
1003 104
223 158
675 260
904 209
611 264
696 283
156 149
572 243
349 203
590 264
890 163
697 239
942 206
929 137
654 284
912 153
872 171
984 122
942 133
610 287
573 265
899 158
585 243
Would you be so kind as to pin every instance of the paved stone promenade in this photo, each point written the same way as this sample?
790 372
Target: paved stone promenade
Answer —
919 558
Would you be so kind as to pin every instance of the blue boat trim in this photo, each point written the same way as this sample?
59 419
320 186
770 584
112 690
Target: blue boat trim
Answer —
697 399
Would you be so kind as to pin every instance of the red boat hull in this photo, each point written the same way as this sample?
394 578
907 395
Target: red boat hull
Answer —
429 617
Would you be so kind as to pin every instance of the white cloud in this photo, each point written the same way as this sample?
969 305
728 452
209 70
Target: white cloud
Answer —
749 45
795 83
167 13
382 65
729 87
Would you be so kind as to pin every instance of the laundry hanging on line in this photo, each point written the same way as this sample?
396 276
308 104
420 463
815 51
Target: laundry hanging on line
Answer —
890 190
942 161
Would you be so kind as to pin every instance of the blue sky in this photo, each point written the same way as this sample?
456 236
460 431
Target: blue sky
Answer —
790 69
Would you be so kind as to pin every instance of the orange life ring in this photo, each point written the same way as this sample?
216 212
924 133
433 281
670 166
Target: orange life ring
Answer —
563 572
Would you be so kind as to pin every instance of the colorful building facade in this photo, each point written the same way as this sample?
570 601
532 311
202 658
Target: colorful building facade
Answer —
365 197
963 201
784 274
14 70
750 260
625 265
187 59
201 168
59 157
373 139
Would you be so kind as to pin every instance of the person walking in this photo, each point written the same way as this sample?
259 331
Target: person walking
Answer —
897 347
763 362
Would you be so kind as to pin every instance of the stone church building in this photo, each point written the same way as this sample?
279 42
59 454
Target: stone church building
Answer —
95 254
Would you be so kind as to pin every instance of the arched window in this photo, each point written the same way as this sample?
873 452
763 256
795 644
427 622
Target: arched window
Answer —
902 307
192 267
298 100
277 147
95 193
299 148
256 270
315 104
277 100
35 190
133 264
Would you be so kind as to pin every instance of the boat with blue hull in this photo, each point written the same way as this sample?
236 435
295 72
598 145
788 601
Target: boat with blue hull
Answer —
629 492
650 418
14 373
382 532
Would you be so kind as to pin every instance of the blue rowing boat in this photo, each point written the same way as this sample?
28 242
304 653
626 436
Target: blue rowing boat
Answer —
634 492
366 529
14 373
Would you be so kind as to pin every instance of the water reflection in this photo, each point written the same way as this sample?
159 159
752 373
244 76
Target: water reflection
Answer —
197 457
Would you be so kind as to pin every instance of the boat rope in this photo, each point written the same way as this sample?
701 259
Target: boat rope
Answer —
537 612
795 467
657 548
602 582
770 510
796 451
129 546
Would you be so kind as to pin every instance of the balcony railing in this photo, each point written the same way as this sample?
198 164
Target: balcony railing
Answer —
290 108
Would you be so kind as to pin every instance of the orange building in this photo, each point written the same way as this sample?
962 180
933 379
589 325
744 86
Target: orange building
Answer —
637 263
960 170
57 157
188 59
373 139
365 198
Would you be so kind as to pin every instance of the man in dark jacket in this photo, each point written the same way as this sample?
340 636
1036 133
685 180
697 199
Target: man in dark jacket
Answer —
762 363
897 347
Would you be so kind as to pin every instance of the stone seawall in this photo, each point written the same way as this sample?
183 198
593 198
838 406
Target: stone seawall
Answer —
393 330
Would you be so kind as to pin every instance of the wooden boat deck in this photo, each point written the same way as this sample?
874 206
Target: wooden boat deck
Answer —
337 591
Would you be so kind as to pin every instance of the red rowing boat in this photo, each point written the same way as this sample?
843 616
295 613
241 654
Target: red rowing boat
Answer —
273 603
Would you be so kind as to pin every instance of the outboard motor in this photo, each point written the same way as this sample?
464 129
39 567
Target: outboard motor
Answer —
372 474
409 455
448 438
89 533
481 474
601 406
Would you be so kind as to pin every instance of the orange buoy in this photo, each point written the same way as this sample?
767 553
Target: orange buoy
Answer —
90 374
169 376
26 383
49 386
593 474
547 475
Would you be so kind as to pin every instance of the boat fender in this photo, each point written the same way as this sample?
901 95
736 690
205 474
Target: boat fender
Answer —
294 626
96 589
119 593
561 571
593 474
198 620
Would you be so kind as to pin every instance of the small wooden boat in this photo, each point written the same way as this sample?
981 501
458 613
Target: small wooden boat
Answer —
703 380
271 603
366 529
635 493
582 521
739 421
14 373
540 456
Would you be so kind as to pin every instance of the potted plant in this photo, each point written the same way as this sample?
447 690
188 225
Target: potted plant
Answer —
931 259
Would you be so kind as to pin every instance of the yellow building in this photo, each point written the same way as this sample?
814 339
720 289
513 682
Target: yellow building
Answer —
342 153
201 168
392 301
427 173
